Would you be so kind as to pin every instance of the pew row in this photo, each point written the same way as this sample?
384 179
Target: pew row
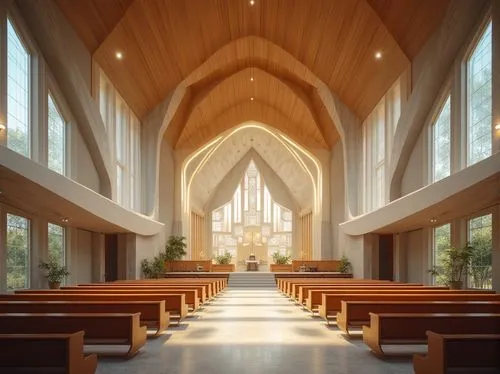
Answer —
466 353
411 328
357 313
191 295
54 353
174 303
100 328
152 313
331 304
202 290
311 297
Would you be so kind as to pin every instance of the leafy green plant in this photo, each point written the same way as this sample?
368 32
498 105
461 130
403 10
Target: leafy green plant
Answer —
224 259
453 265
54 272
280 259
153 268
175 248
345 266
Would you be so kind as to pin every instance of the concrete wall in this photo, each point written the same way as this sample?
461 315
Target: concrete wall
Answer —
83 168
80 256
414 175
337 199
166 191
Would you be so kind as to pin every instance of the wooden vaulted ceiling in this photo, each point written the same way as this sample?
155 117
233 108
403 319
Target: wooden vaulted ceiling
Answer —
164 41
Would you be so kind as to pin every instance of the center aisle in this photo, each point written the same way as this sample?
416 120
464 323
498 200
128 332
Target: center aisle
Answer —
253 331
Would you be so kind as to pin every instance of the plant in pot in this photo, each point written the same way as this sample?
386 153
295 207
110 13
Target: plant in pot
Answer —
154 268
54 272
174 249
453 265
224 259
345 266
280 259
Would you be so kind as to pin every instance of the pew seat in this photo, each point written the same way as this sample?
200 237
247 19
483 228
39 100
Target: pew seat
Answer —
411 328
459 353
45 353
100 328
331 303
152 313
357 313
174 303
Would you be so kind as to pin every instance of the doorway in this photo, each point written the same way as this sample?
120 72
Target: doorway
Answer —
111 257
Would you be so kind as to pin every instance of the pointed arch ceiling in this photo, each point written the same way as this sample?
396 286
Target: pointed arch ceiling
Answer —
297 42
271 150
230 103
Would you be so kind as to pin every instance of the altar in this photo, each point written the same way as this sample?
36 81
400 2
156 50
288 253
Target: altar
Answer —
252 263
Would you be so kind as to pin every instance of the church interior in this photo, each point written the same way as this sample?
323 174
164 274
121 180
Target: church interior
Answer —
243 177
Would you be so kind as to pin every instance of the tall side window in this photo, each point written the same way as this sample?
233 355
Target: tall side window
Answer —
18 92
56 138
441 240
441 137
57 243
479 129
18 252
480 238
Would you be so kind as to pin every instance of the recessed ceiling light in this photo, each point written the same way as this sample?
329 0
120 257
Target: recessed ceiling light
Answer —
497 126
378 55
251 99
252 2
119 55
251 79
65 220
433 220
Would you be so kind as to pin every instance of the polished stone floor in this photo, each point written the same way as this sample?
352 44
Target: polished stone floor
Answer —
253 331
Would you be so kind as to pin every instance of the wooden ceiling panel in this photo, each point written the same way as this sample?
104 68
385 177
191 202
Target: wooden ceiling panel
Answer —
411 22
274 101
93 20
164 41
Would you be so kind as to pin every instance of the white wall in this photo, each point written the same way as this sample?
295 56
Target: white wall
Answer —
337 198
416 248
414 175
80 256
166 190
83 168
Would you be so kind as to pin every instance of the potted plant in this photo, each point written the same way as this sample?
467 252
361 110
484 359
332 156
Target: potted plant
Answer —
154 268
54 272
174 250
223 263
281 263
454 263
345 266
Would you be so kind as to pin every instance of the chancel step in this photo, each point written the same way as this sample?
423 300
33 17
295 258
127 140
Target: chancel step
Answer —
252 280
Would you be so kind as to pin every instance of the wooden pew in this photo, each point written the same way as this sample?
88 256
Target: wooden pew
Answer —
100 328
216 285
310 297
152 313
202 290
331 303
475 352
174 303
410 328
293 288
191 295
32 353
357 313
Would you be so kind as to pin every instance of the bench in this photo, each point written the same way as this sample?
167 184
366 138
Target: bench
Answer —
357 313
331 303
411 328
100 328
174 303
152 313
191 295
310 297
473 353
293 288
216 286
202 290
57 353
